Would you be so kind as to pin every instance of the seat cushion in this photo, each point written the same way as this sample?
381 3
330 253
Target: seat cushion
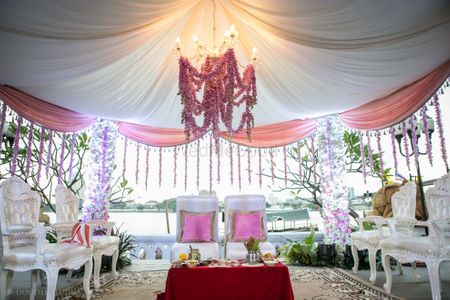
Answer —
370 236
59 253
101 241
207 250
419 245
237 250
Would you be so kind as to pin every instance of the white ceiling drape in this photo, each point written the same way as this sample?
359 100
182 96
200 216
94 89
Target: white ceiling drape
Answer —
115 59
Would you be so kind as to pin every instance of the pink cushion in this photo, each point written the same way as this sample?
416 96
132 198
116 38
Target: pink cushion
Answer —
247 225
197 227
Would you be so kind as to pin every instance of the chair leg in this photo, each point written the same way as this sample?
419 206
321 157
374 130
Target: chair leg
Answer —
69 275
355 258
52 281
373 265
433 274
97 267
386 260
87 278
34 279
5 283
399 268
414 271
115 257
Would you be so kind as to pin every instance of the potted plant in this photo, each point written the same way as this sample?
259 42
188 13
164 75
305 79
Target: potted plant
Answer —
252 245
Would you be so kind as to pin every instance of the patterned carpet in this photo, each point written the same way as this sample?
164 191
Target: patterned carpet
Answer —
307 283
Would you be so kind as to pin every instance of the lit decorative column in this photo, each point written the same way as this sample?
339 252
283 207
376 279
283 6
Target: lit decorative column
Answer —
332 169
102 146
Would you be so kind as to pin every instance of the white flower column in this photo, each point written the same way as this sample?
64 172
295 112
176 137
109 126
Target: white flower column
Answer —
332 169
100 166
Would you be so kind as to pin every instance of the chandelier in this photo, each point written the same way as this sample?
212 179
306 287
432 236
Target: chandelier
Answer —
216 88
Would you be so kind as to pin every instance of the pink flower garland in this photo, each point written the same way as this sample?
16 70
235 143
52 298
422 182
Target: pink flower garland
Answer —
285 166
16 146
394 149
249 171
299 161
231 162
440 127
414 139
363 158
185 165
49 153
380 153
313 153
210 163
198 165
370 153
174 166
272 170
72 152
29 150
147 154
137 163
405 143
260 167
160 166
239 165
124 166
41 153
2 123
423 112
61 158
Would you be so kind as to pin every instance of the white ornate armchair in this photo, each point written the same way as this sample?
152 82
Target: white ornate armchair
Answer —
67 207
197 204
431 249
244 204
403 207
24 242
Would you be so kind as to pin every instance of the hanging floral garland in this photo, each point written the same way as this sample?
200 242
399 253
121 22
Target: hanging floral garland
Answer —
272 169
363 158
218 162
426 129
147 156
72 152
185 166
174 166
210 163
299 156
249 171
16 146
160 166
405 143
49 153
370 153
61 158
394 149
260 167
231 162
414 139
440 127
285 166
41 153
239 165
137 163
29 150
380 153
124 168
2 123
198 165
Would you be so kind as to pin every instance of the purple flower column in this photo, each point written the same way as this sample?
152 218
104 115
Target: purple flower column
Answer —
16 146
440 128
29 150
41 152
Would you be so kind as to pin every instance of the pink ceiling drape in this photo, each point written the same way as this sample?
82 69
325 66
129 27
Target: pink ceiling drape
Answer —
152 136
396 107
46 114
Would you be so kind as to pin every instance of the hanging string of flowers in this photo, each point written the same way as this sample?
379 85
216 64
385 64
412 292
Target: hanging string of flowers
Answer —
231 162
61 158
2 123
160 166
380 153
239 165
394 149
272 169
369 152
104 144
414 139
198 165
174 166
72 152
124 168
16 146
285 166
147 156
299 156
218 162
313 153
185 165
260 167
423 113
363 158
405 143
440 127
49 153
137 163
249 166
41 152
210 162
29 150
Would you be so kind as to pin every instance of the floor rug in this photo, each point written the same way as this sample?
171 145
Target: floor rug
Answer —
307 283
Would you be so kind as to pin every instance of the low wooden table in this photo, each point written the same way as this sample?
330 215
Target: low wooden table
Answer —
229 283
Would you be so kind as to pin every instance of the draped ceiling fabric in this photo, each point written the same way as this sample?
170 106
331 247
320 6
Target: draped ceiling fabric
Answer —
115 59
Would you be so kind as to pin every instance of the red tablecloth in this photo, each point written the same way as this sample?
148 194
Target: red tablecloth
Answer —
203 283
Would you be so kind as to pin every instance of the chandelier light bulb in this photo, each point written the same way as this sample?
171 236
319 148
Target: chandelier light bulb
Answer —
178 40
195 38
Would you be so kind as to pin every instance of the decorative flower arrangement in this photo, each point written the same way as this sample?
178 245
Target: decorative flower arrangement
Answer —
405 143
440 128
41 153
29 144
16 146
61 158
252 244
72 153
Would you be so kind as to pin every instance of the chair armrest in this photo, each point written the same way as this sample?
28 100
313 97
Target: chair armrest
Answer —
41 233
62 229
407 223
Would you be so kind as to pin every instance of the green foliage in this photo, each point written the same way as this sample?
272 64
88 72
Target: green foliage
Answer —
303 253
252 244
126 247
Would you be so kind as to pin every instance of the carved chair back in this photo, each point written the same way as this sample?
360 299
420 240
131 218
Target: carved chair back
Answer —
67 205
19 213
437 200
404 201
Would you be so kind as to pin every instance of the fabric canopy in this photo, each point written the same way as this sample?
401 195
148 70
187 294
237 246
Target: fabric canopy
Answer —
115 59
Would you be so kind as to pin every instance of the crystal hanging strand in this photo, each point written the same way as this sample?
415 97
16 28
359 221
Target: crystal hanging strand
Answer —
72 153
2 123
30 142
198 165
174 166
272 170
260 167
249 166
160 166
49 153
380 154
61 158
285 166
124 165
369 152
185 165
147 154
231 163
137 163
16 146
405 143
363 158
41 153
423 112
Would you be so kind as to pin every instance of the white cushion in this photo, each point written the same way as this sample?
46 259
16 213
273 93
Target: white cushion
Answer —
100 242
370 236
60 253
207 250
419 245
237 250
